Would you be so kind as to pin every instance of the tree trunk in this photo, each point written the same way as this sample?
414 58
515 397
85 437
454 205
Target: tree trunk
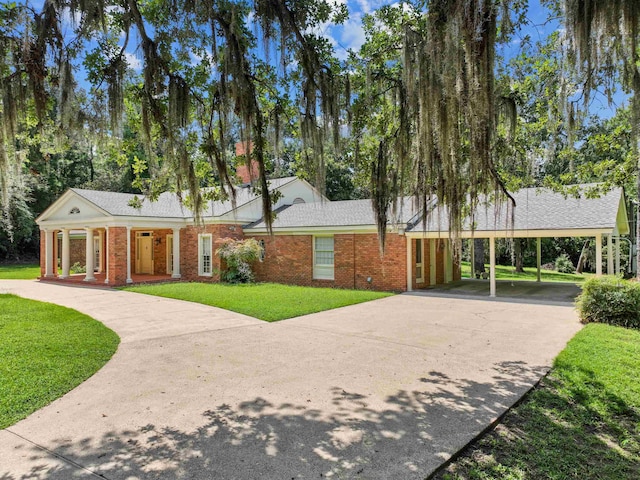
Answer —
518 255
638 198
478 254
583 256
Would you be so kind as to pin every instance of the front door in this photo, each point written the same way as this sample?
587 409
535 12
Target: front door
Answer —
144 253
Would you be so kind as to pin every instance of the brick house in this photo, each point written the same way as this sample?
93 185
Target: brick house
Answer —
128 239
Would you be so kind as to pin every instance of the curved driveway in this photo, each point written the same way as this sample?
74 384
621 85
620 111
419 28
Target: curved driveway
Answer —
382 390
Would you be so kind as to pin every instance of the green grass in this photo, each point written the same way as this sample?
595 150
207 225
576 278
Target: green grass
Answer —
266 301
582 422
25 271
45 351
504 272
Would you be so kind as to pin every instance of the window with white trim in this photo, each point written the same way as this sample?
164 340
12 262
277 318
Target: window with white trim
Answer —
323 258
205 241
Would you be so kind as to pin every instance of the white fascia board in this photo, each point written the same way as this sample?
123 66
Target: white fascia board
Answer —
314 230
111 221
578 232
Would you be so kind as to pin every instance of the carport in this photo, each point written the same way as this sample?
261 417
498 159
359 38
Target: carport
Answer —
538 213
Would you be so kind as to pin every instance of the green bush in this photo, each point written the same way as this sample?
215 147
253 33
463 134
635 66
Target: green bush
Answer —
238 255
610 300
564 264
78 268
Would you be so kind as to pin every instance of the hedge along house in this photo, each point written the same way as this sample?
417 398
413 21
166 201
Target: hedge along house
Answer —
314 242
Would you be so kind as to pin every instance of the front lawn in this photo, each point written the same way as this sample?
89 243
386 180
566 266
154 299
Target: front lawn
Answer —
45 351
26 271
506 272
266 301
582 422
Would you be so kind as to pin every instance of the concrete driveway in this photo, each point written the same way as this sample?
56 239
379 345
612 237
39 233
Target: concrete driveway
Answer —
383 390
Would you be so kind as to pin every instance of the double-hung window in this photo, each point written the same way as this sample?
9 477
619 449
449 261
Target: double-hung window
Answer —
204 255
323 258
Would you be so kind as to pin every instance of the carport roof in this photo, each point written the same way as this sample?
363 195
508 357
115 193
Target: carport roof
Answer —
539 209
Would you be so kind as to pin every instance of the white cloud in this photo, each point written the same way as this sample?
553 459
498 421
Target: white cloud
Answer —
133 61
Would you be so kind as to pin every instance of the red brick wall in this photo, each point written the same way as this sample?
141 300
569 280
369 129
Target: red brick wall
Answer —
189 249
289 259
160 251
117 251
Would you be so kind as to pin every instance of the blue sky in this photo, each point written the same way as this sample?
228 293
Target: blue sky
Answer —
350 36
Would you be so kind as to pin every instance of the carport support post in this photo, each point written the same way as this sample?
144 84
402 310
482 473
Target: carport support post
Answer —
492 267
538 256
409 264
618 255
473 258
598 254
609 254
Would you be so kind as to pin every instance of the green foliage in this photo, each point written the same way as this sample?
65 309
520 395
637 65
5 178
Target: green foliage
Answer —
610 300
266 301
564 264
238 256
78 268
46 350
581 422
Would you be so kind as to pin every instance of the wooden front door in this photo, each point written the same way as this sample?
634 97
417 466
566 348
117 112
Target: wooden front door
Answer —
144 254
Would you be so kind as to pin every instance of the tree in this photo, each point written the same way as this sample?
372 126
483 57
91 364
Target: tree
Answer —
605 39
205 79
426 103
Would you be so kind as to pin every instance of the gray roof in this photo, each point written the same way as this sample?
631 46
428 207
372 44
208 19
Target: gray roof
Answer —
539 209
168 204
334 214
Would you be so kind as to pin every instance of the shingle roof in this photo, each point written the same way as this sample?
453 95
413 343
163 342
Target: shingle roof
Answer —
167 205
539 209
333 214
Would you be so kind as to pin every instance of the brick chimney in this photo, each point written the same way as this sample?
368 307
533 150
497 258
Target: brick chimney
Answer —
248 169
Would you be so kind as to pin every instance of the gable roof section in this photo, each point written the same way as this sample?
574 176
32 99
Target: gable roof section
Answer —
345 213
542 209
166 206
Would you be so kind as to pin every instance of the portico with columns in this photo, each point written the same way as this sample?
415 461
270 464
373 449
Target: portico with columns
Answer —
116 249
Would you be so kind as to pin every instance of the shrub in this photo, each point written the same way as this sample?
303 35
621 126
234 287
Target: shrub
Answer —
238 256
564 264
78 268
610 300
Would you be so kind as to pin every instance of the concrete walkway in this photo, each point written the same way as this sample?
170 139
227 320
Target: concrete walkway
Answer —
382 390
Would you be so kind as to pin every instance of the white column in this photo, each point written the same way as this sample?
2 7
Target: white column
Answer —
472 249
598 254
65 254
448 262
409 265
48 253
432 261
618 255
538 258
129 280
90 256
492 267
609 254
100 256
176 253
